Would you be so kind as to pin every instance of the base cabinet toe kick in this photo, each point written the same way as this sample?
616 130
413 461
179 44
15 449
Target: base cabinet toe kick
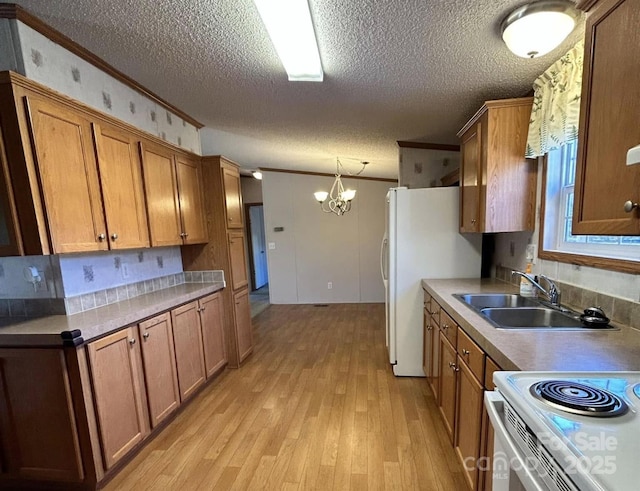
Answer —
72 417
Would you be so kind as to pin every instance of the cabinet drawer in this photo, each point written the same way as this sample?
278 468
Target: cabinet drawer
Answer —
448 327
427 302
471 354
435 311
492 366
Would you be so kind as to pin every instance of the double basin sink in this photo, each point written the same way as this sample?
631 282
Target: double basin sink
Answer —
510 311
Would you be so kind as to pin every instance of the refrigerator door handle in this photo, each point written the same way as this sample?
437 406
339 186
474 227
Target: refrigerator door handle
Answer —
383 257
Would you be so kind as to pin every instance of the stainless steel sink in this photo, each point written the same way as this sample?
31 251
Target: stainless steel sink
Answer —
510 311
496 300
530 318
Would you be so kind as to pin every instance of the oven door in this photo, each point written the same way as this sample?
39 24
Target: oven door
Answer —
511 471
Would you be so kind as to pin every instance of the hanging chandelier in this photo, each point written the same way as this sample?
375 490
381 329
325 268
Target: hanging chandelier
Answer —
339 198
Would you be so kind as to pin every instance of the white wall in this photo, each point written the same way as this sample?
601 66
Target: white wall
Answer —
421 168
316 248
622 285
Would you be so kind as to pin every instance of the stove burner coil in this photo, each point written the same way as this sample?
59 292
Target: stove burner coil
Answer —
577 398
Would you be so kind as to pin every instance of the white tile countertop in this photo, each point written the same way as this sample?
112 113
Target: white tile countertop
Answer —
49 330
537 349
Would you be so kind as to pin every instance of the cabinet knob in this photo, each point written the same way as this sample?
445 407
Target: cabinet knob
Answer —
429 328
629 206
465 352
473 220
434 312
182 234
445 327
114 236
101 237
132 341
145 335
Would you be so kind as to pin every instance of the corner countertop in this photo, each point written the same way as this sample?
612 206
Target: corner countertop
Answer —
48 330
540 350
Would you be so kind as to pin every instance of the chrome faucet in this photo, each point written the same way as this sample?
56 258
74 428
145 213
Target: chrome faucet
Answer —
553 294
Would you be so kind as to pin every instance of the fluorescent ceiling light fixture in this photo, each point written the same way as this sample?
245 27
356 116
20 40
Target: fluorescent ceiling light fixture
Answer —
291 31
537 28
257 174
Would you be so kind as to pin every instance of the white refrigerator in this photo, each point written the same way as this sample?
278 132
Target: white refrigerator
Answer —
421 241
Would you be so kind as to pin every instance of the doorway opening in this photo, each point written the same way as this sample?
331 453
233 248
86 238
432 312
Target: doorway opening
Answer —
256 243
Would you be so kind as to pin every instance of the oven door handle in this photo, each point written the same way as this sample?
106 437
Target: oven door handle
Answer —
493 402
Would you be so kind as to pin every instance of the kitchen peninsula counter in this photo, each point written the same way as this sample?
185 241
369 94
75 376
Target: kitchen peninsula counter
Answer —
52 329
537 349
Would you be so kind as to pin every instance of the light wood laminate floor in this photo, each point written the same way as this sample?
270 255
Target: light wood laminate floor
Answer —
315 407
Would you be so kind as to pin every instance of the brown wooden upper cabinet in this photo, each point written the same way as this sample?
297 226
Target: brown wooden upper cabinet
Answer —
189 173
122 191
9 230
609 127
497 184
232 195
67 168
174 197
71 179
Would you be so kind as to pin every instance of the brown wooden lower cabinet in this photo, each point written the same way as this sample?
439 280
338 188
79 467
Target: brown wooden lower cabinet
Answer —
486 444
159 360
468 422
461 373
448 378
118 393
69 415
242 312
211 319
38 427
187 340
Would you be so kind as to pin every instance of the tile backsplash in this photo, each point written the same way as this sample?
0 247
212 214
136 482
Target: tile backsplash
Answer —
73 283
88 273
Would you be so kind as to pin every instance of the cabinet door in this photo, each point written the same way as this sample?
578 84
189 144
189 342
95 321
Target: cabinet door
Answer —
192 211
215 353
187 340
470 180
244 333
159 361
118 394
427 349
68 175
122 190
434 381
9 232
232 197
448 378
37 420
237 260
161 190
609 127
468 422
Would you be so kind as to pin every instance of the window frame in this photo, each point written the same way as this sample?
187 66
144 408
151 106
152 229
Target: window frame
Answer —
612 264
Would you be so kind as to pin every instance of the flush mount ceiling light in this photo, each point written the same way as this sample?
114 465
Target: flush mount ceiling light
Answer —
339 197
291 31
535 29
257 174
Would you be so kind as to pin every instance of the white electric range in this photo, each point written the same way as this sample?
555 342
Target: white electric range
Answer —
565 431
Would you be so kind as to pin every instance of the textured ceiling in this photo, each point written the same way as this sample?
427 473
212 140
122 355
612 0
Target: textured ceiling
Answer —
394 70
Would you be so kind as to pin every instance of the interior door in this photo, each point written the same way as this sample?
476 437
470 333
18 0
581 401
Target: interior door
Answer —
258 246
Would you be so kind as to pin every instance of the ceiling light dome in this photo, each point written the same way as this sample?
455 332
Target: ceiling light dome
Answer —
535 29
